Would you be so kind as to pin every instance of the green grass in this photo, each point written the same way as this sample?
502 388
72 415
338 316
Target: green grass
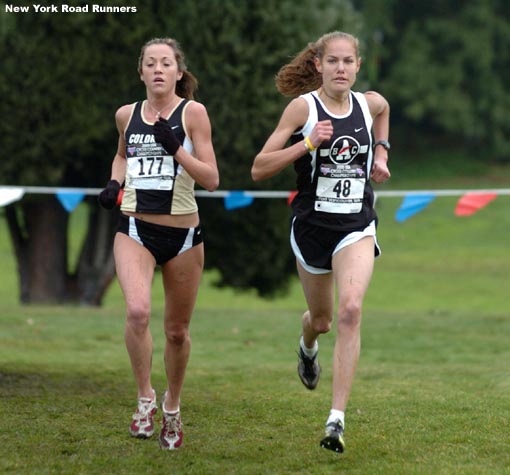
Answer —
430 395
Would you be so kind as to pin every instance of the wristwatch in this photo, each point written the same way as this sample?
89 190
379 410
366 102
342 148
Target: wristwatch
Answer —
384 143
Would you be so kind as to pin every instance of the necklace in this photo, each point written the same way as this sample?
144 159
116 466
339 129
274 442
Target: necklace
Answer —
158 113
334 99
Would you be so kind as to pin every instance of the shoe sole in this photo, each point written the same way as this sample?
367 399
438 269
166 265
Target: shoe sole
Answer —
333 443
164 446
307 385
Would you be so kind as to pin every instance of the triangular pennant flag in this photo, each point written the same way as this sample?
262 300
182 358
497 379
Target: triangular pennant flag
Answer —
470 203
9 195
412 205
237 199
70 199
291 197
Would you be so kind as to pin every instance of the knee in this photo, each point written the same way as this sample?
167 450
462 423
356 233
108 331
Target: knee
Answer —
138 318
177 335
349 314
321 324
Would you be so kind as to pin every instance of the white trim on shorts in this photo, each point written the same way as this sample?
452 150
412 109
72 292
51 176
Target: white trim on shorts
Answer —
133 231
188 242
351 238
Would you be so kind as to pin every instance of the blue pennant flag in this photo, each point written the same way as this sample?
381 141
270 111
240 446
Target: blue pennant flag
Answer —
69 199
237 199
412 205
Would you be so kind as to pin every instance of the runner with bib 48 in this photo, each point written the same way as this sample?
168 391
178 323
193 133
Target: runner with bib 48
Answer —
338 144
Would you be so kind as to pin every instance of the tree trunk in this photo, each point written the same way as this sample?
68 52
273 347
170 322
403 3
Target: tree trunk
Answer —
39 233
96 267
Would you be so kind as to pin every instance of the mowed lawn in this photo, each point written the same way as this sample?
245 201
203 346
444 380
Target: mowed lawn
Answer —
431 395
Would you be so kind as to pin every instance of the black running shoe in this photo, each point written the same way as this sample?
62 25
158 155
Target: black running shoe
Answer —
309 369
334 439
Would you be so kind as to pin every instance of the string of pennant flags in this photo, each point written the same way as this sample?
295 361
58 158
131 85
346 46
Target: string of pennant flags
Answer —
414 201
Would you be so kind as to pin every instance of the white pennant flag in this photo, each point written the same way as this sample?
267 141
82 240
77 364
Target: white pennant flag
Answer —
10 194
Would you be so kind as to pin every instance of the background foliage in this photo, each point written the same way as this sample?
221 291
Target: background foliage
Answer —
236 62
446 72
441 64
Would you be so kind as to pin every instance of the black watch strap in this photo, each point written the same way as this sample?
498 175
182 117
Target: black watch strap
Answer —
384 143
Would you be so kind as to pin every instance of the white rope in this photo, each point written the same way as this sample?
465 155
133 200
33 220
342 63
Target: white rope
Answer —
47 190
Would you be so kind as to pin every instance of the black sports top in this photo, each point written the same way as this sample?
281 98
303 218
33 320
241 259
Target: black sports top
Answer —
155 181
333 182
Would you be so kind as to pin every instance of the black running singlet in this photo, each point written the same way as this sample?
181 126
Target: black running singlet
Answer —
155 181
333 182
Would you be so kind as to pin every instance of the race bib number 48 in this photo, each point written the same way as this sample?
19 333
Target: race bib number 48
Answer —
342 195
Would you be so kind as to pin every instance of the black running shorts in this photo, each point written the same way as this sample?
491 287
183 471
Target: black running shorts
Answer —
163 242
314 246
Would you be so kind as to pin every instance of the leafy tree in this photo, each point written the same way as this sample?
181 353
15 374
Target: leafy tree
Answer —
62 78
64 75
445 68
236 61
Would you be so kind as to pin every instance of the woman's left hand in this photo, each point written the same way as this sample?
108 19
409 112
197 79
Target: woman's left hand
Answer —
380 171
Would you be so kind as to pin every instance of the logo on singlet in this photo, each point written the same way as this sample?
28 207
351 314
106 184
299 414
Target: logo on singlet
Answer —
140 138
344 150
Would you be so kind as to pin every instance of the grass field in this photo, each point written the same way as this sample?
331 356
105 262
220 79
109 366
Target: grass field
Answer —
431 394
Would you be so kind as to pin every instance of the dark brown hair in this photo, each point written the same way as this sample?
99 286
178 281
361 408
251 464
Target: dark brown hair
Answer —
188 84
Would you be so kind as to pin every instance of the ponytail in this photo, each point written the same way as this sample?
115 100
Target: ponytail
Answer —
300 75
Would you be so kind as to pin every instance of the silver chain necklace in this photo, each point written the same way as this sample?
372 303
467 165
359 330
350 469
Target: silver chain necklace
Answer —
158 113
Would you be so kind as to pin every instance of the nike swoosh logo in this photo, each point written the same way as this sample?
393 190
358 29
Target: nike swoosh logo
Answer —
176 127
357 130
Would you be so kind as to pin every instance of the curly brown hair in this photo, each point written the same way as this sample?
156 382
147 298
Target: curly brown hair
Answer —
300 75
188 84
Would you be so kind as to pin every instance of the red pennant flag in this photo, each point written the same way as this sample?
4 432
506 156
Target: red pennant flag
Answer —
470 203
291 197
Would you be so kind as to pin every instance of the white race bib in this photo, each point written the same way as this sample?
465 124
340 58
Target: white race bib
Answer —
151 173
341 191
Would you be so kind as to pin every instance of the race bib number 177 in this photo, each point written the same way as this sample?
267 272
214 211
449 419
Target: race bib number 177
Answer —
151 173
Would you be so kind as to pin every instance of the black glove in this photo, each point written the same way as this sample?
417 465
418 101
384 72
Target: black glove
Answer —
108 197
164 135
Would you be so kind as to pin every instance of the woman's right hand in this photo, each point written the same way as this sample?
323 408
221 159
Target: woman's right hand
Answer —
323 130
108 197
